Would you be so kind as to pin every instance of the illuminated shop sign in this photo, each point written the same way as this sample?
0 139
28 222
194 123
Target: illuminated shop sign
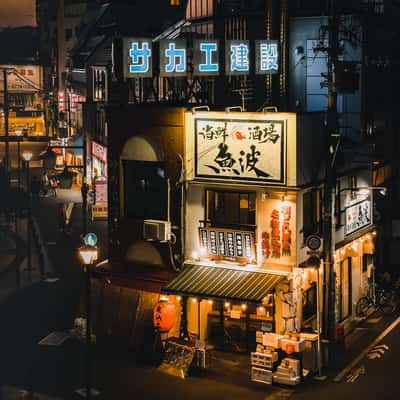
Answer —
206 57
137 58
227 244
173 58
99 151
22 78
240 57
358 216
239 149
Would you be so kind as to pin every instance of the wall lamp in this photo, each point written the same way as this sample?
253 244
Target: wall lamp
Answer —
199 108
364 190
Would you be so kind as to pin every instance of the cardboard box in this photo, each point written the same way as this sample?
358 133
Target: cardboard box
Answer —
272 340
297 345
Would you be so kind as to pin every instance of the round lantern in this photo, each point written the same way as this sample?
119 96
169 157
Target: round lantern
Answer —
164 315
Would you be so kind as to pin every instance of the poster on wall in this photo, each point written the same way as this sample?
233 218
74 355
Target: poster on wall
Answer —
358 216
247 150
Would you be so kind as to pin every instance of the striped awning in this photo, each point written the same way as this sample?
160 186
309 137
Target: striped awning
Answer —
222 283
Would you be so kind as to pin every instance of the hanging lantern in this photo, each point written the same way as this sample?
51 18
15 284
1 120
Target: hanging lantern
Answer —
164 315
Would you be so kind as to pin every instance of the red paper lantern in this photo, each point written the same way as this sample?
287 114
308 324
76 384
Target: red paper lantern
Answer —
164 315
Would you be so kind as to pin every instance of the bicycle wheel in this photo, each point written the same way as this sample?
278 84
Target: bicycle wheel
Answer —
387 302
363 306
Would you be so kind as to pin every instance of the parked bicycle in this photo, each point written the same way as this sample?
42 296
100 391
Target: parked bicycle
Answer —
378 298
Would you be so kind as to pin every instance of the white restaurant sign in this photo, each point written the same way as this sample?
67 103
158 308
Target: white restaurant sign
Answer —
248 150
358 216
22 78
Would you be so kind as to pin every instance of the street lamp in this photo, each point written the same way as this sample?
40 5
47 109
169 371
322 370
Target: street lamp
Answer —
19 133
88 255
27 156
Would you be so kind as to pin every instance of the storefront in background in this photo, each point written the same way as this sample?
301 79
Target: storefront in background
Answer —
354 266
99 161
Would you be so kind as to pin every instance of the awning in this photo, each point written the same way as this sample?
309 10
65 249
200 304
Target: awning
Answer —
222 283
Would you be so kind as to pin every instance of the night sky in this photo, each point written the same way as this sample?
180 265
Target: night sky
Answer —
17 12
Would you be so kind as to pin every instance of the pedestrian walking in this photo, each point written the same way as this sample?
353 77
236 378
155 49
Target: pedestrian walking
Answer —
61 217
44 183
35 188
53 185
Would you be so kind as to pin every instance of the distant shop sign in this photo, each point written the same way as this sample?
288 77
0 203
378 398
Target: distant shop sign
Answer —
358 216
239 150
22 78
99 151
240 58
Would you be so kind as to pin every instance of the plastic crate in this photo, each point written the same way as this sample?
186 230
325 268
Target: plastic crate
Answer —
261 375
262 360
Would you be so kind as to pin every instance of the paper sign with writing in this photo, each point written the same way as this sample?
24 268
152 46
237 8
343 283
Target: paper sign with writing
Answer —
240 150
358 216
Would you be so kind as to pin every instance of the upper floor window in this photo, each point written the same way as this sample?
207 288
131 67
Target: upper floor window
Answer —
312 211
236 210
353 187
99 84
68 34
145 190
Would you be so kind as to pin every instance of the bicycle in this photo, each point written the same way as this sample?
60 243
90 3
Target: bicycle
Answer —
377 298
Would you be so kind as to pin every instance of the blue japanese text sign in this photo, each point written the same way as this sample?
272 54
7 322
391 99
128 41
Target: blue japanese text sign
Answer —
267 60
137 56
206 57
237 57
173 58
90 239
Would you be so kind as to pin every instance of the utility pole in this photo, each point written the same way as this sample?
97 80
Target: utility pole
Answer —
331 134
6 117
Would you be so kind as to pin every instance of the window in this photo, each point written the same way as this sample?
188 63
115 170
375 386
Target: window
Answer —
345 298
68 34
236 210
353 187
311 212
338 212
99 84
309 305
366 260
145 190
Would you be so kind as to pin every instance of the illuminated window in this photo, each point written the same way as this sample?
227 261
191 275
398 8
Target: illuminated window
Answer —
99 84
236 210
174 2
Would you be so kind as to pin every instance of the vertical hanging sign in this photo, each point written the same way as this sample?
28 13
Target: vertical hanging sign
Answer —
206 57
173 58
137 58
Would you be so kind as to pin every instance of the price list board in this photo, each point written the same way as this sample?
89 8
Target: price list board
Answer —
213 242
231 244
248 245
228 244
204 238
239 244
222 243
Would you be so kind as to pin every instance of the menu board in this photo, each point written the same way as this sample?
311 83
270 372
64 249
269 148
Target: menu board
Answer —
239 244
213 242
231 244
204 238
248 248
221 243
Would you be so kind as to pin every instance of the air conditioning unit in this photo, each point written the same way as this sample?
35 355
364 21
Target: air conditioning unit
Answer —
155 230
